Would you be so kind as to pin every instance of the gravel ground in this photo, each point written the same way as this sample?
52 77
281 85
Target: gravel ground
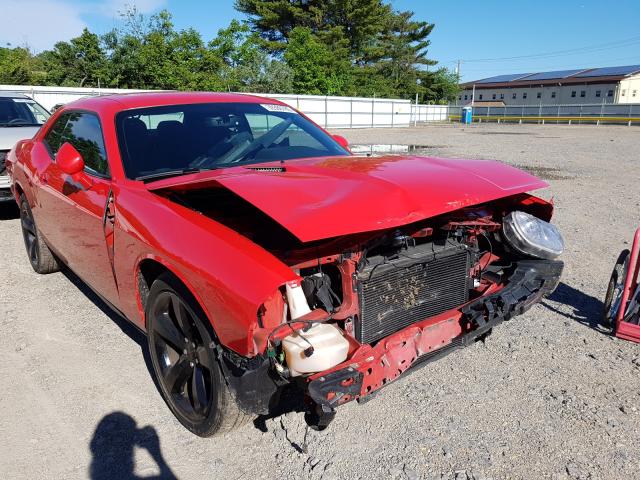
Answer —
547 396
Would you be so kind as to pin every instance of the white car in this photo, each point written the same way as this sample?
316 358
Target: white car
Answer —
20 117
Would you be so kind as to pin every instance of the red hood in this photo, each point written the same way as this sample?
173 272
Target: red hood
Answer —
327 197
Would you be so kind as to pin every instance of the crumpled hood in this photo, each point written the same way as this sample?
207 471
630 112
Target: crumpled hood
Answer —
328 197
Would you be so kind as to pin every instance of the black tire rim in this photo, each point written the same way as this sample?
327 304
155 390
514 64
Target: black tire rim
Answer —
29 233
183 362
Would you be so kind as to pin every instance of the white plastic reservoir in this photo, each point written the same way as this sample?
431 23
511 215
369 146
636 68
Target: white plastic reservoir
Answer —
329 349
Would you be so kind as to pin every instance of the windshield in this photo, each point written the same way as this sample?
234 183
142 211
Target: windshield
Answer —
162 141
21 112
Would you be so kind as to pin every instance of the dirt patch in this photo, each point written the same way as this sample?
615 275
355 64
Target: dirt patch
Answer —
545 173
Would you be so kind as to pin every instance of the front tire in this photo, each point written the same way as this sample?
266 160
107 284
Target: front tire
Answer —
613 298
185 363
40 256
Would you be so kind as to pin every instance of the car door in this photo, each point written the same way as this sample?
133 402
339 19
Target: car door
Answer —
77 213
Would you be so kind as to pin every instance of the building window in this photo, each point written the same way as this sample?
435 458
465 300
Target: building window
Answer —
494 96
539 95
502 96
598 93
465 97
634 93
583 93
573 94
624 92
480 96
460 97
610 93
514 95
553 94
524 95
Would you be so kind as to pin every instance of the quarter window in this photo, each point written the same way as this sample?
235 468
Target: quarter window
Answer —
83 131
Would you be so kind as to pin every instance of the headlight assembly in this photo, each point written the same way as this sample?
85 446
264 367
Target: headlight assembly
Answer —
531 236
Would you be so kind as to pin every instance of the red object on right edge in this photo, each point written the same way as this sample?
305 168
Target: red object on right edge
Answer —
625 329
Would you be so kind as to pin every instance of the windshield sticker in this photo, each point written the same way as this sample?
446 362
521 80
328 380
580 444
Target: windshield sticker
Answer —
22 100
277 108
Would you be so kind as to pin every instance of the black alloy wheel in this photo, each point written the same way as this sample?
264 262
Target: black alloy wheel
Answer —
184 361
40 256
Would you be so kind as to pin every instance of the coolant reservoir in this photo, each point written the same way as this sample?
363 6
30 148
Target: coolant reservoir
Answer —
329 349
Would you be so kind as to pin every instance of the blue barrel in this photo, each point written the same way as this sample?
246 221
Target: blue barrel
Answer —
466 116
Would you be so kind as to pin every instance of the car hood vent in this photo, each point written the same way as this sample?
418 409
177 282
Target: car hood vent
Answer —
268 169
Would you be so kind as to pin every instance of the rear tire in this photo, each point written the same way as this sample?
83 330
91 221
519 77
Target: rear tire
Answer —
185 361
40 256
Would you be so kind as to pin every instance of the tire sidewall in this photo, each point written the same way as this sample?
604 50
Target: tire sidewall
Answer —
24 205
207 427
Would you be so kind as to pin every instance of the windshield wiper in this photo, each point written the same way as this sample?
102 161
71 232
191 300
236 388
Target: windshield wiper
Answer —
168 174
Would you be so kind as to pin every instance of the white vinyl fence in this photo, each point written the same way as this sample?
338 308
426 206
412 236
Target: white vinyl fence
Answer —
327 111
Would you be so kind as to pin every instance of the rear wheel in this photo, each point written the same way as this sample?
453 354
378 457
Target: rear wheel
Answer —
614 291
185 361
40 256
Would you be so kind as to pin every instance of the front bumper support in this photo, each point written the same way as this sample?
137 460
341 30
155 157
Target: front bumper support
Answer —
371 368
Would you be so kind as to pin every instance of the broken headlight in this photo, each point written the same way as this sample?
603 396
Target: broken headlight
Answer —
531 236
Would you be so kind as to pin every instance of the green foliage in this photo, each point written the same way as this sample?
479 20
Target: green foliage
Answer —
317 69
324 47
19 67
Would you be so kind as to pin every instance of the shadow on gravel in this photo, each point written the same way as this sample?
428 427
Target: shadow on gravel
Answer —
587 310
112 448
9 211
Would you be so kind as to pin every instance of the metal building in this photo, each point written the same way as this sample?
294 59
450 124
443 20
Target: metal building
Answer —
565 87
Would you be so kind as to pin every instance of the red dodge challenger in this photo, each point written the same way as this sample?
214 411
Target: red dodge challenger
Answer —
259 255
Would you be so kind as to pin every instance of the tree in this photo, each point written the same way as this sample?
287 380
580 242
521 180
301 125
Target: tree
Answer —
359 47
80 62
316 68
19 67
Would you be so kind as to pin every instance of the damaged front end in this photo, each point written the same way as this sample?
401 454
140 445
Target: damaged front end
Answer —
370 307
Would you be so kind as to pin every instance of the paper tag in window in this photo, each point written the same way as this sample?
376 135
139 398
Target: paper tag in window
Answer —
22 100
277 108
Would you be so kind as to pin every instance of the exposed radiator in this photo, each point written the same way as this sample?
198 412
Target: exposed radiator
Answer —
416 285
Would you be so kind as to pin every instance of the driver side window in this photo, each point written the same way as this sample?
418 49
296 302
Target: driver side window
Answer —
54 138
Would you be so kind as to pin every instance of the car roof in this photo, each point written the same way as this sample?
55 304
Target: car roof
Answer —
5 94
152 99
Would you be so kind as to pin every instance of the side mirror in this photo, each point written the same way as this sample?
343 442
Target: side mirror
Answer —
343 142
69 159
